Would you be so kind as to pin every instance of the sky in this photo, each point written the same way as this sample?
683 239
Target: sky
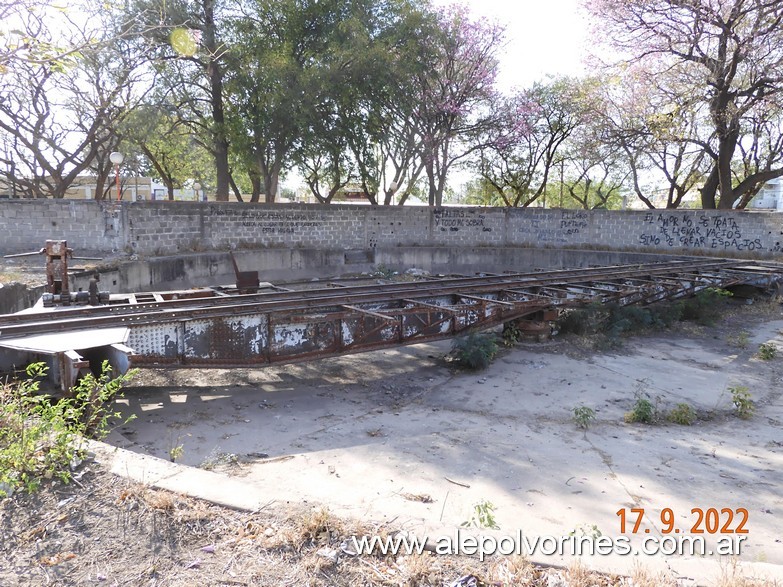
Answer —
543 37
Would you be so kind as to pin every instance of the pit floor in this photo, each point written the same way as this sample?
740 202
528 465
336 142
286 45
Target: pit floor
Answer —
371 435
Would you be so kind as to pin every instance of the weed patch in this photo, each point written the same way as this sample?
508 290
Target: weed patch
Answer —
644 411
743 402
739 340
583 417
475 351
682 414
767 351
40 437
483 516
612 321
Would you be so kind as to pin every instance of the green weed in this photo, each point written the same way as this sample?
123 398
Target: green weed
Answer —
482 516
613 320
383 272
40 437
644 411
682 414
475 351
767 351
742 400
583 417
511 334
739 340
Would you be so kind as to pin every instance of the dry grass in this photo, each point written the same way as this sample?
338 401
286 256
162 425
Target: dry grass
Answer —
111 531
8 276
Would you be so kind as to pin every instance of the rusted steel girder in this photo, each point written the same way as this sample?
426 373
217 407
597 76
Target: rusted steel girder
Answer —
221 327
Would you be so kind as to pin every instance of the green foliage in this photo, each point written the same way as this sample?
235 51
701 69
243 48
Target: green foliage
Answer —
482 517
682 414
575 321
590 530
511 334
40 437
383 272
475 351
176 452
175 153
583 417
480 192
216 458
705 307
767 351
644 411
742 400
612 320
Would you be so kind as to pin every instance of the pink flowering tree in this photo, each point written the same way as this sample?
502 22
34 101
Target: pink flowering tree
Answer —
657 135
521 153
456 93
725 57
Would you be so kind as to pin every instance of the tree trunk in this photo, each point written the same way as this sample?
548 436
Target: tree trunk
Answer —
430 183
235 189
255 182
215 75
100 182
726 147
270 186
709 189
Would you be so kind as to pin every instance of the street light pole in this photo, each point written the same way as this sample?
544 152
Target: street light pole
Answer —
117 158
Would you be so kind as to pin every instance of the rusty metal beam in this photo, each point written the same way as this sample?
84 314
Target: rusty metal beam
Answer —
223 327
368 312
485 300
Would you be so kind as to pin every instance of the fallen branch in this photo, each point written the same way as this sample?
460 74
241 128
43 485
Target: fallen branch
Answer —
456 482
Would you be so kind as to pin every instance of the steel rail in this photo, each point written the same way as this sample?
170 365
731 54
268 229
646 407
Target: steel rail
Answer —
381 291
331 300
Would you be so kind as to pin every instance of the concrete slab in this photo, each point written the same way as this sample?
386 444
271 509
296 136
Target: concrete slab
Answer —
361 433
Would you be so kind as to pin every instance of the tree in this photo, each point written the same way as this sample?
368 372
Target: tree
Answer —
729 51
519 155
275 80
187 45
363 130
58 106
658 134
456 92
174 154
761 146
594 176
479 192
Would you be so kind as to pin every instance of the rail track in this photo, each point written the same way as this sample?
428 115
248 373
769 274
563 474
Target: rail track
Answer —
222 327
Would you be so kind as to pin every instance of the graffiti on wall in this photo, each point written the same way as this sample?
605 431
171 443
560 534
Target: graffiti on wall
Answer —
455 219
269 221
565 227
721 231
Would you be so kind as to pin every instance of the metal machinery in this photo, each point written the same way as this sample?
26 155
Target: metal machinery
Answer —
224 327
57 288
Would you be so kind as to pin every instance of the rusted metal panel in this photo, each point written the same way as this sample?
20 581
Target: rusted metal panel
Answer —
159 341
222 327
225 339
304 337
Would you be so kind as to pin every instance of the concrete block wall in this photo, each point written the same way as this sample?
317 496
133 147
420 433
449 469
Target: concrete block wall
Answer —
159 228
87 226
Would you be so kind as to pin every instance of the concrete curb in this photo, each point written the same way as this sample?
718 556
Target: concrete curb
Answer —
161 474
231 493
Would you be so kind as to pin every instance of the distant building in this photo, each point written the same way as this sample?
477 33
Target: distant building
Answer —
132 189
770 197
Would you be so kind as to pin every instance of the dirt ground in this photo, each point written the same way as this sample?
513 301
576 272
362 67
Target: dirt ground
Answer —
400 440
